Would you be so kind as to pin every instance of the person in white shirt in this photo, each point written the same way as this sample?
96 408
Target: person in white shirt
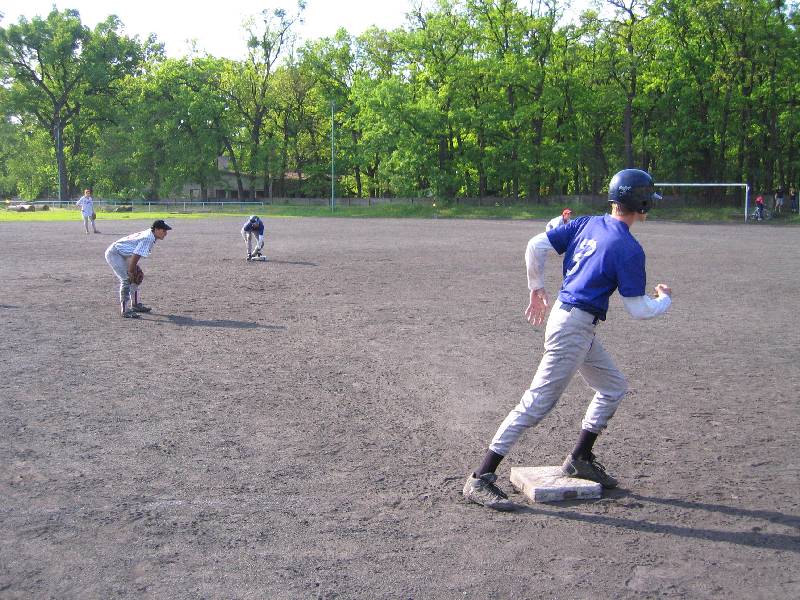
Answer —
86 202
566 215
123 257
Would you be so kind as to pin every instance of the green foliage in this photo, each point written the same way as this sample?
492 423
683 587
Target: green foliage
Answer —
423 210
60 76
169 133
471 98
30 166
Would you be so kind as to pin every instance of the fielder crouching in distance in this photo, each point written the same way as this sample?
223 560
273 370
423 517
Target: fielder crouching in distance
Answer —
600 256
123 257
253 228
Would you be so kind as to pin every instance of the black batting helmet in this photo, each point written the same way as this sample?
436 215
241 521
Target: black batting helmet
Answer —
634 189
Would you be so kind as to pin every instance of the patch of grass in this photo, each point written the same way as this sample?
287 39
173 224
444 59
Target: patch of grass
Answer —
63 214
392 211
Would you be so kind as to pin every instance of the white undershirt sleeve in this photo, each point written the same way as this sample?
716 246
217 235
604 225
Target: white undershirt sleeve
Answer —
645 307
535 254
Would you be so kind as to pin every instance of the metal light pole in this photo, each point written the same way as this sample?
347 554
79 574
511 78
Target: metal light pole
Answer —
333 169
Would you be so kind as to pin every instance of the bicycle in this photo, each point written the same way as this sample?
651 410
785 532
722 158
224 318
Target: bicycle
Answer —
754 217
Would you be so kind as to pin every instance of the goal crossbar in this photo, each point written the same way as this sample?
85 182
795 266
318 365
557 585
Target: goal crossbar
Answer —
746 187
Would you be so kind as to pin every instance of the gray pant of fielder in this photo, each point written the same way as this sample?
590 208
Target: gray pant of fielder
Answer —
570 345
119 264
252 238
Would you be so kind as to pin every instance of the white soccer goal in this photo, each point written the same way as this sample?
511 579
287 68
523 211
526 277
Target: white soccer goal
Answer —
744 185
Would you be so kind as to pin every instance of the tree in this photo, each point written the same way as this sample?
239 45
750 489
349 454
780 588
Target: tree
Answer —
436 46
629 51
53 65
246 87
169 132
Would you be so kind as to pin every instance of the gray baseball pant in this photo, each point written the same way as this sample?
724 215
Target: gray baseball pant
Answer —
250 237
570 345
119 264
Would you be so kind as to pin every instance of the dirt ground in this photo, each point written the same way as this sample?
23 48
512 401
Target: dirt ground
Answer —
302 428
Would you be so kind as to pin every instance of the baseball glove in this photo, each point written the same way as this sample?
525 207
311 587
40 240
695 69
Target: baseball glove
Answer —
138 277
94 216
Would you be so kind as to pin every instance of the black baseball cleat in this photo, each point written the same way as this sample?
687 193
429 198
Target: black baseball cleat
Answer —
590 469
482 490
141 308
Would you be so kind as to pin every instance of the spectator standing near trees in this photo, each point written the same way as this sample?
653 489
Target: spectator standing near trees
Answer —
760 207
779 198
793 206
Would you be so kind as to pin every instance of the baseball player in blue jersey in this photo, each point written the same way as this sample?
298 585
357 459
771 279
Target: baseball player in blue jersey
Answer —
253 230
600 256
123 257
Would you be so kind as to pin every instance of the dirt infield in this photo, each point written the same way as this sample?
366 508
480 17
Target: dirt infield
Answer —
302 428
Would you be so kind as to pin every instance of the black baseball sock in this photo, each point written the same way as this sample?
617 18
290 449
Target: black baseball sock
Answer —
583 449
490 463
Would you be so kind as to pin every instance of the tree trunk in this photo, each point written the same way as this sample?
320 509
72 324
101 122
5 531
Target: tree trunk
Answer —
267 173
235 164
627 129
252 176
356 168
444 171
482 184
535 179
58 134
723 135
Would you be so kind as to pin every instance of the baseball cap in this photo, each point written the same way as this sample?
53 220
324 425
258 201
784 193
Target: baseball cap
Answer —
566 211
160 224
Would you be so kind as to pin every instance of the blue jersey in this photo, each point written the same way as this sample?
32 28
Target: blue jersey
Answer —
600 256
256 226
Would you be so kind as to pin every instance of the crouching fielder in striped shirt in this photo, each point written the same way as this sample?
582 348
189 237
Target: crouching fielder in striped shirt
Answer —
123 257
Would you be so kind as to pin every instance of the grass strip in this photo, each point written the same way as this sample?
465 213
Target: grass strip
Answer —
386 211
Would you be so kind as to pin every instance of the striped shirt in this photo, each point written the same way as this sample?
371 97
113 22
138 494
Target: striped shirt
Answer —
87 205
140 243
553 223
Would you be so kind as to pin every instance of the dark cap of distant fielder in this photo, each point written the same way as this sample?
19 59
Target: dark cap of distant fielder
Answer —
159 224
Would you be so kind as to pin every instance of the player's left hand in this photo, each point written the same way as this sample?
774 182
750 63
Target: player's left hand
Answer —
136 276
537 308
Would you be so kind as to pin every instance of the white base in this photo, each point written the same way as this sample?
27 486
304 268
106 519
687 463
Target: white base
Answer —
548 484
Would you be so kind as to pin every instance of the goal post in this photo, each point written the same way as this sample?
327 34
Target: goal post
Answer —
742 185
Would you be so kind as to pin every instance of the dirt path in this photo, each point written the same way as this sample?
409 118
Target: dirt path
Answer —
302 428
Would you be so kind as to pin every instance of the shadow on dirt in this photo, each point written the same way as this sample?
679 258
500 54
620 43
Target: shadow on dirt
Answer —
226 323
302 263
767 515
754 538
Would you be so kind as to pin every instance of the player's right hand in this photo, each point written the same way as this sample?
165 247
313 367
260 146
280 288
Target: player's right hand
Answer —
537 307
663 290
